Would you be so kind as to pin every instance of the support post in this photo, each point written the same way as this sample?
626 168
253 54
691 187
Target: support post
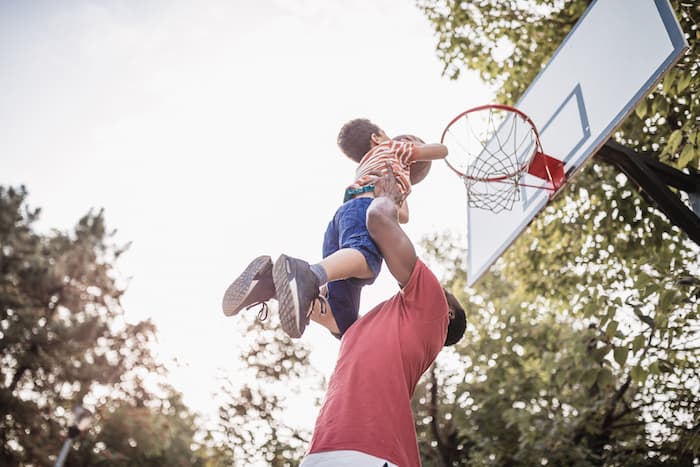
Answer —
653 178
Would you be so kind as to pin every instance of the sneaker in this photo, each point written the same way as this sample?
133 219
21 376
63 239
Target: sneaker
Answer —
253 287
297 288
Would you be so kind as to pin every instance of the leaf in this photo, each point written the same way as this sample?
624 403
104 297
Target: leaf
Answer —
589 308
620 355
687 155
638 374
654 368
638 343
560 378
683 82
611 329
674 140
668 82
605 377
641 109
589 377
666 299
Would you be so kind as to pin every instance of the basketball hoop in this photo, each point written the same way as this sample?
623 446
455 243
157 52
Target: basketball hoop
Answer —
492 147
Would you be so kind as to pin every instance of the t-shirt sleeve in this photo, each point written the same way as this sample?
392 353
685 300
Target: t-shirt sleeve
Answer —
424 295
404 152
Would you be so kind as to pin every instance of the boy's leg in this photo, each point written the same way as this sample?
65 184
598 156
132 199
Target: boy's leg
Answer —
350 253
297 285
344 264
348 249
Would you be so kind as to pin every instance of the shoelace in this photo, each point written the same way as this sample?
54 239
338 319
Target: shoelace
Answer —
263 312
322 302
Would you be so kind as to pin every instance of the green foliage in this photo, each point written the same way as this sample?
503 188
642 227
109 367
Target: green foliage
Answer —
253 422
151 433
582 346
506 42
582 342
63 340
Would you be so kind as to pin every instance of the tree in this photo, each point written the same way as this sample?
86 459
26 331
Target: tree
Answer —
582 342
253 422
554 367
158 430
63 340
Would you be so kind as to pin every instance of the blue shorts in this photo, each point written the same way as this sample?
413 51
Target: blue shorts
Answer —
348 229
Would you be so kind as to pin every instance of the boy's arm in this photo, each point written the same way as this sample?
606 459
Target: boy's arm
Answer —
429 152
424 152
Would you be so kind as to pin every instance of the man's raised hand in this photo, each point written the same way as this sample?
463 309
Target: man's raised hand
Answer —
387 186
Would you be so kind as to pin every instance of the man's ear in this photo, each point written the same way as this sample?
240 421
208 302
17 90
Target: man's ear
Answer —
376 138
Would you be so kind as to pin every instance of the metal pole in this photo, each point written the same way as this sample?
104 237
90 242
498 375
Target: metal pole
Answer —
64 452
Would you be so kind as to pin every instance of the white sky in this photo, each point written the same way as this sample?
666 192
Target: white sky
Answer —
207 132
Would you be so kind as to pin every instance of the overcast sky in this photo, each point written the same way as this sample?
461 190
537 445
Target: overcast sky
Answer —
207 132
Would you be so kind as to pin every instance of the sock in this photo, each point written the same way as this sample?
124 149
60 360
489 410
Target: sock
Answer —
320 274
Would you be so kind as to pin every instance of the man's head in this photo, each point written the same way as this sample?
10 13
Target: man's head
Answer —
458 320
358 136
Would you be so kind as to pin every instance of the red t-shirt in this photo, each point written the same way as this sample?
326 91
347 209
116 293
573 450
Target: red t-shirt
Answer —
382 355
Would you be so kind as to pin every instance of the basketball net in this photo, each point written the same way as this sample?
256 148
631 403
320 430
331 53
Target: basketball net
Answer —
492 147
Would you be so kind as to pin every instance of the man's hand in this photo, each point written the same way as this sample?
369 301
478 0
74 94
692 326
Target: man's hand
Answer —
387 186
419 169
383 226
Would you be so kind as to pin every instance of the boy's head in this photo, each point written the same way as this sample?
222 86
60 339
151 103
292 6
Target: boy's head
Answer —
358 136
458 320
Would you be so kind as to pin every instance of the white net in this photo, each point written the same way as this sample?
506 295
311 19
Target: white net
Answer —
494 196
491 149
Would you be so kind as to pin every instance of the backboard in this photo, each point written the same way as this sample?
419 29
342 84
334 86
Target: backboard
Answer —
612 58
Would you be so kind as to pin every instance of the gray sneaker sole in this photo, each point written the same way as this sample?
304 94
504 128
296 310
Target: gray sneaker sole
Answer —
237 293
286 295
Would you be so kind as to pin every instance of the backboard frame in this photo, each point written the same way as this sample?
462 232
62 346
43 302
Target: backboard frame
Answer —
656 21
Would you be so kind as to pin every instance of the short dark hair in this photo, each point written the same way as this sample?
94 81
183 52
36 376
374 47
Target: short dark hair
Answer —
458 320
355 138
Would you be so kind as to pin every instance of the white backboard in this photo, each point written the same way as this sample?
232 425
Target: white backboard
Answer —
611 59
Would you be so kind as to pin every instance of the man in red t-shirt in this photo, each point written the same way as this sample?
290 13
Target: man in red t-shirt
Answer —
366 417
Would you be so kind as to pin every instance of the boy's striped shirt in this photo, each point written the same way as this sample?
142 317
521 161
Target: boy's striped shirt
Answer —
373 165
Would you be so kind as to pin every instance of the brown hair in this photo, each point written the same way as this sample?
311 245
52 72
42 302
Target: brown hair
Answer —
355 138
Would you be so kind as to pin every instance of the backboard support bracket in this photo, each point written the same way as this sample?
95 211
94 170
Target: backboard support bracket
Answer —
653 179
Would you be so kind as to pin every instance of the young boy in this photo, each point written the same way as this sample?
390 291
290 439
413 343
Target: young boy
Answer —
351 259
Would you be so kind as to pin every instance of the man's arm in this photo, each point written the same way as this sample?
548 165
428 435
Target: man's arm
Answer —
383 226
403 212
423 154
